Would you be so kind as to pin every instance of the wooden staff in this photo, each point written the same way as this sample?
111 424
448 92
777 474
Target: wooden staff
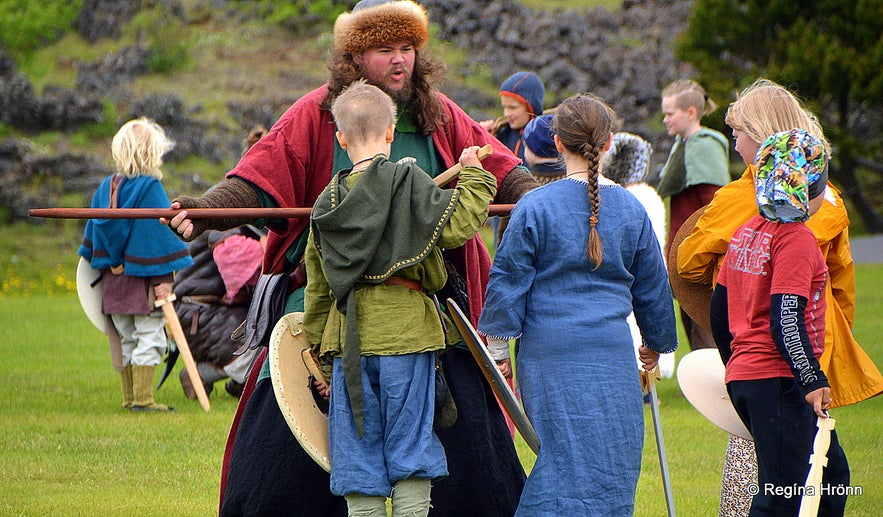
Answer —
194 213
181 340
446 177
223 213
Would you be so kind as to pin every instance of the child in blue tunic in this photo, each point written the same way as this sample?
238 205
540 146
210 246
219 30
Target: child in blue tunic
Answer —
567 275
136 258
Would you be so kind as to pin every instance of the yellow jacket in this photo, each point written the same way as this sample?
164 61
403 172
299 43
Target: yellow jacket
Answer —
851 373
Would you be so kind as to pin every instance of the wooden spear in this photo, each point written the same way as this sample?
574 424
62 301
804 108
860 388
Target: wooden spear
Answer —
239 213
193 213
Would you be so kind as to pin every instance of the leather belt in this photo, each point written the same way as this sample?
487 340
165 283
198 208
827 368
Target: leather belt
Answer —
414 285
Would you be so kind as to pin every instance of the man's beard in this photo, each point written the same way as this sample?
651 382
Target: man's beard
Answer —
399 96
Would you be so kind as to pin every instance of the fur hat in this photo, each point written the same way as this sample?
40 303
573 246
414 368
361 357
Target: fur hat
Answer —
628 160
539 137
526 88
373 23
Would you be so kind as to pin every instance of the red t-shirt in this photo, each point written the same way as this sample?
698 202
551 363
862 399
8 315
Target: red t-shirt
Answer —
767 258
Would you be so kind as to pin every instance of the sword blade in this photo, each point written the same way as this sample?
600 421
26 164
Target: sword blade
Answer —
501 389
181 340
660 447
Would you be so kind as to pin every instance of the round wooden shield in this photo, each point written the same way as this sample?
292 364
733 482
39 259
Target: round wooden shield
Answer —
89 294
694 298
292 384
701 378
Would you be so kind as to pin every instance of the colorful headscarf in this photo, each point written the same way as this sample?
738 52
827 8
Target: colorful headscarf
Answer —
792 168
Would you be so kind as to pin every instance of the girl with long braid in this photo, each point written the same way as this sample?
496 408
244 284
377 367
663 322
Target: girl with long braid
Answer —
578 257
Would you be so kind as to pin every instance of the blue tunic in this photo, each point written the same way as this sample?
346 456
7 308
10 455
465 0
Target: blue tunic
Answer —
575 361
144 246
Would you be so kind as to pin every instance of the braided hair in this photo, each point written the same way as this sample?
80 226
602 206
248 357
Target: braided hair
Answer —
583 124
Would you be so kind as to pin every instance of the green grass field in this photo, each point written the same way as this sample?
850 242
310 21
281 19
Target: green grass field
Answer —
68 448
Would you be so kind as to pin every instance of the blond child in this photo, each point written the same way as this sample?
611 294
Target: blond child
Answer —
136 258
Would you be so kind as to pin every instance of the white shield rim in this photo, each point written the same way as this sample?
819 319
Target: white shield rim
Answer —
89 294
291 384
701 378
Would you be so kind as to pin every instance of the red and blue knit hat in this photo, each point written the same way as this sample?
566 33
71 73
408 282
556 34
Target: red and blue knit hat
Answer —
526 88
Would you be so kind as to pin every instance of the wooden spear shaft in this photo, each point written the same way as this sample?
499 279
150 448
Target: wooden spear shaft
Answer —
223 213
193 213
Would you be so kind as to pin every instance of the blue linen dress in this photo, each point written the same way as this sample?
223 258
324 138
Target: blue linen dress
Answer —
575 361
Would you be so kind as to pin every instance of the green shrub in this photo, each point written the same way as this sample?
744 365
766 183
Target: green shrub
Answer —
105 128
26 25
166 36
167 55
300 15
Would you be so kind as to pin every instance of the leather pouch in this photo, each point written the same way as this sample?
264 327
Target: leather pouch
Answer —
267 307
445 408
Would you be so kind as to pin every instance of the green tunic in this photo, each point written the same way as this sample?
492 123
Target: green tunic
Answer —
395 320
700 159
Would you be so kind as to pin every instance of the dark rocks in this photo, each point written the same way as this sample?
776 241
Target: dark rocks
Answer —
30 179
625 56
192 137
102 75
58 108
99 19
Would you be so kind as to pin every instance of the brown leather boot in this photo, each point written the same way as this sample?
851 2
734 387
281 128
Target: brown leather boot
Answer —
209 375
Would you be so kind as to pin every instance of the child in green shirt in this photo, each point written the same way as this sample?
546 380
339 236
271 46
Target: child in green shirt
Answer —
373 261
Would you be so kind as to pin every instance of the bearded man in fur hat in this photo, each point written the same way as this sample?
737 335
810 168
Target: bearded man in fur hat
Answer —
266 472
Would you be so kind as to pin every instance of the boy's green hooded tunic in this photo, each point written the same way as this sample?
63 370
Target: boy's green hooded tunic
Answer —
388 220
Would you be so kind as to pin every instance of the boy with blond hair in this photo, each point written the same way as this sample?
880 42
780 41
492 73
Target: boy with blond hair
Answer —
373 262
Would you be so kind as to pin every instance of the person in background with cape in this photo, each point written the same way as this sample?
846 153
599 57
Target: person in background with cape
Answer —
697 166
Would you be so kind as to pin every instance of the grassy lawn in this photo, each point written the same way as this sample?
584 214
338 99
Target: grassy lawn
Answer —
67 448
